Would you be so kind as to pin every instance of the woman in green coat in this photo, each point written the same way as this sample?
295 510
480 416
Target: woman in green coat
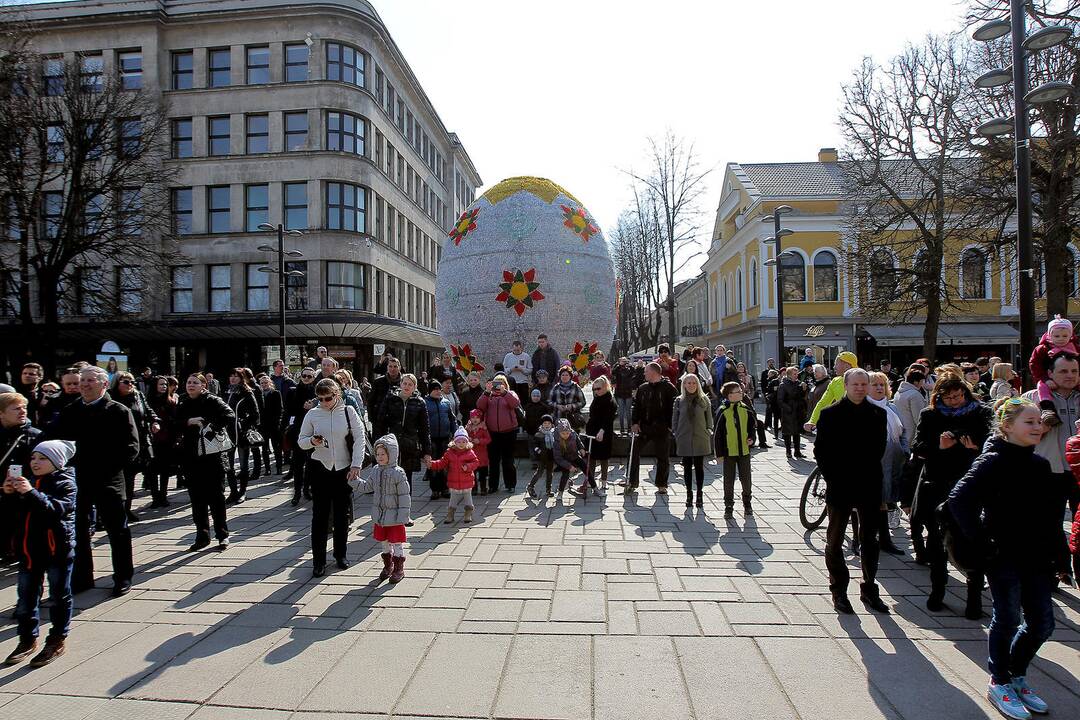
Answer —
692 425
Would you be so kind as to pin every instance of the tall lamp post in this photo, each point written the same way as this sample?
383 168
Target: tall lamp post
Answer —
282 274
777 238
1023 45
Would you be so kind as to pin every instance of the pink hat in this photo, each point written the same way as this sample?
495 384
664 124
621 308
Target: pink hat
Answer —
1059 322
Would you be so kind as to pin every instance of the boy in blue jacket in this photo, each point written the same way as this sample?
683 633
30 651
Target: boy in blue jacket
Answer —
442 424
45 542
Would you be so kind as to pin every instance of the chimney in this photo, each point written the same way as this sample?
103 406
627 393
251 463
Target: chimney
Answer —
827 155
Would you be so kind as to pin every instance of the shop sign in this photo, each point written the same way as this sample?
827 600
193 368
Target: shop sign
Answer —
815 331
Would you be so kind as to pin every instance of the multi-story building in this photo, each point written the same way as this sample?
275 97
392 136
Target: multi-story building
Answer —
300 112
821 300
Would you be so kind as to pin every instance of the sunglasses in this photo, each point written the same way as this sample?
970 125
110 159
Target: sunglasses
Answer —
327 397
125 382
307 377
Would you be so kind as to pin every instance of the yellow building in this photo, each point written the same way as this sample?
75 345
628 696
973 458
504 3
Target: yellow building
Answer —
821 302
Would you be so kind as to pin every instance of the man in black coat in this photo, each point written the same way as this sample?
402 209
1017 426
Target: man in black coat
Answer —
651 422
380 388
106 441
849 447
297 403
270 421
544 358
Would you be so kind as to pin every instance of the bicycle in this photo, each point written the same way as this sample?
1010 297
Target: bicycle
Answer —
812 508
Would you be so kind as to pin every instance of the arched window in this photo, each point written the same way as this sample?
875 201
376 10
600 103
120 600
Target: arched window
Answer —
882 276
825 285
1072 281
725 297
973 274
753 282
793 277
738 290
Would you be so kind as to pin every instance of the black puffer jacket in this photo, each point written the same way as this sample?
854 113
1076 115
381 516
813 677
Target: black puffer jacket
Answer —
45 519
1009 506
791 400
295 410
407 420
943 468
245 406
216 415
653 405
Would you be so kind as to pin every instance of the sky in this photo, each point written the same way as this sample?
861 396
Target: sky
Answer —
572 90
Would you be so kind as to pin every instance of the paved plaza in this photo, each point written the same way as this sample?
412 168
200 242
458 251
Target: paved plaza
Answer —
616 608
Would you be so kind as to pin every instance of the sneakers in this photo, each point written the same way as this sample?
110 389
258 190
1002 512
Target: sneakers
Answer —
23 650
54 648
1007 701
1027 696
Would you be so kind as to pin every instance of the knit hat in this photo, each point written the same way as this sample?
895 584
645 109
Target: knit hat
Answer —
1059 322
547 418
541 373
476 413
59 452
461 432
563 424
535 394
434 385
849 357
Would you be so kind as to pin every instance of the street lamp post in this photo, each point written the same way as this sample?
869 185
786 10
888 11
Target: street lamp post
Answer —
282 274
777 238
1019 125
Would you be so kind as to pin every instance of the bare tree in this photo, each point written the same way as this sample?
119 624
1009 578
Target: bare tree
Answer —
85 202
1055 146
676 182
912 177
638 255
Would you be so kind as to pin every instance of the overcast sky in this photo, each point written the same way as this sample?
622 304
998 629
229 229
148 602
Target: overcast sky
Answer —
571 89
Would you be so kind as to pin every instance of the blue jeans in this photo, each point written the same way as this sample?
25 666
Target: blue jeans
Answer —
29 588
624 405
1023 619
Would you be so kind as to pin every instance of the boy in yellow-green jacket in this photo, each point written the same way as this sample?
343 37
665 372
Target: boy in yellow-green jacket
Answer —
835 391
733 437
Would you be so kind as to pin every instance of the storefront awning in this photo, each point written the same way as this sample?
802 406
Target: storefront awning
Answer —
948 334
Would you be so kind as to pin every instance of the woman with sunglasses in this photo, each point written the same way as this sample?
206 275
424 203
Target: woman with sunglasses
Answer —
601 426
334 434
146 422
948 438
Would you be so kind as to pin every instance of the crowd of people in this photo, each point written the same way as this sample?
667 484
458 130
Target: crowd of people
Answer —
981 472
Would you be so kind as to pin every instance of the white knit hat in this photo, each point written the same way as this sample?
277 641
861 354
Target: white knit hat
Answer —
1059 322
59 452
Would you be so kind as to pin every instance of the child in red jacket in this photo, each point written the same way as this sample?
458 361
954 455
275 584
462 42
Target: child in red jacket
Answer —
480 439
1072 456
459 461
1058 338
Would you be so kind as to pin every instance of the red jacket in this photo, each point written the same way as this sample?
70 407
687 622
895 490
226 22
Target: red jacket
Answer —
499 410
670 371
1072 456
480 438
459 466
1039 364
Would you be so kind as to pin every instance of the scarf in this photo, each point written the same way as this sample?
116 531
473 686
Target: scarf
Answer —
895 427
956 412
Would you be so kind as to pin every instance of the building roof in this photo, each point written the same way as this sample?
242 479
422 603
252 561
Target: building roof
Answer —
830 179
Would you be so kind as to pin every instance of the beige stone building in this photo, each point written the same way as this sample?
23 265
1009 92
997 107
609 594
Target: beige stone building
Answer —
301 112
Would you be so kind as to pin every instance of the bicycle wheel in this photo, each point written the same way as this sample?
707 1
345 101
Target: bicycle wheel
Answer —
812 503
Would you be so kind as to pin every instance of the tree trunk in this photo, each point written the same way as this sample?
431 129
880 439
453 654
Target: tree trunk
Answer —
930 329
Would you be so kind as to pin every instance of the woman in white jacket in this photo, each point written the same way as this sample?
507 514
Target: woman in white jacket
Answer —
335 435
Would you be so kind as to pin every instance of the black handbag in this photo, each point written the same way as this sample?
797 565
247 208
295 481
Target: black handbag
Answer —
964 554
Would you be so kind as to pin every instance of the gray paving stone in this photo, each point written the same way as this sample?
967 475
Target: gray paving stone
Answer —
418 619
668 623
141 710
578 606
539 664
435 690
638 677
737 677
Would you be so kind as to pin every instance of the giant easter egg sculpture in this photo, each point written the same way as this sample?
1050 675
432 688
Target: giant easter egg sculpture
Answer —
525 258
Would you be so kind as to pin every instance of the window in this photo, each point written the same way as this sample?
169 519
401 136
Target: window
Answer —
753 282
296 62
391 100
54 143
973 275
129 289
220 68
89 290
256 206
220 288
10 301
793 277
345 207
181 211
182 147
90 70
52 206
219 135
388 238
296 285
258 288
738 290
181 289
183 70
296 130
129 65
258 133
826 288
344 63
380 83
93 213
380 285
217 206
130 137
345 285
882 276
258 65
130 212
295 202
53 76
345 132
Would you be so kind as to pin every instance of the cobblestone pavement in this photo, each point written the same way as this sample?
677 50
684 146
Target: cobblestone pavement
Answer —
610 608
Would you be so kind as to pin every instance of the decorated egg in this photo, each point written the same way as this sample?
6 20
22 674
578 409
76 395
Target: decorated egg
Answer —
525 258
